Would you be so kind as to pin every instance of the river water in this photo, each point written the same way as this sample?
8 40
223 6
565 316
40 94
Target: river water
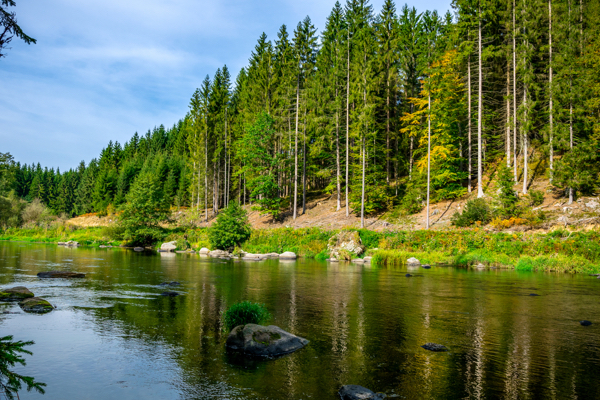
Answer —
112 336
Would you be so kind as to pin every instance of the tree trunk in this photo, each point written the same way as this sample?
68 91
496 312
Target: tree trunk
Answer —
470 118
479 116
514 96
362 199
206 175
387 127
296 150
337 154
348 125
428 155
508 137
550 89
304 167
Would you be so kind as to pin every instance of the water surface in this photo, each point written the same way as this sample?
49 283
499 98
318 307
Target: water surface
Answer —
113 336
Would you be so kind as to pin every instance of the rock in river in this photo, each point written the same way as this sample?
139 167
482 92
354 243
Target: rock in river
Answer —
60 274
36 305
170 284
138 249
204 251
263 341
169 246
355 392
585 323
288 255
413 262
434 347
170 294
16 293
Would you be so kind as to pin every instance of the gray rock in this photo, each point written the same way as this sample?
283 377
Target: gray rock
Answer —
263 341
72 243
288 255
333 260
138 249
367 259
598 277
355 392
204 251
170 294
345 244
434 347
585 323
218 253
413 262
426 266
16 293
60 274
170 284
408 275
62 243
169 246
480 266
36 305
358 261
592 204
272 255
254 257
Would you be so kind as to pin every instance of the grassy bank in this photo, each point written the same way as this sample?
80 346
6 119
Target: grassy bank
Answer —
559 250
93 236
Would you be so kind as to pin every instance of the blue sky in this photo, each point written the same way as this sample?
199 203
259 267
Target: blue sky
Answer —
102 70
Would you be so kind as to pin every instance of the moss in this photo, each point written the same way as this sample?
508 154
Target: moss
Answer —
36 305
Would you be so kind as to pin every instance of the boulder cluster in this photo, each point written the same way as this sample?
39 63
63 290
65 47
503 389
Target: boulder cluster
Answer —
26 299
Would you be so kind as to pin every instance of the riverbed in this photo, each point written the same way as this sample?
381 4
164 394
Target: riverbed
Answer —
513 335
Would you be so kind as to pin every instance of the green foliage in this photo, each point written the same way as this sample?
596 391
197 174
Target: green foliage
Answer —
507 198
231 228
580 168
476 210
535 198
10 381
244 313
144 211
260 160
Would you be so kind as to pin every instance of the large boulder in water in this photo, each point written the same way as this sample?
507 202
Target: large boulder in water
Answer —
413 262
60 274
36 305
345 245
355 392
263 341
169 246
218 254
204 251
16 293
288 255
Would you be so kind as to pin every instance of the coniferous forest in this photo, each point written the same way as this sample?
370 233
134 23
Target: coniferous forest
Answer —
386 108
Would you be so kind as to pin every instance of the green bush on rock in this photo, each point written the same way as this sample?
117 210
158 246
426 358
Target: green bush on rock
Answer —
244 313
476 210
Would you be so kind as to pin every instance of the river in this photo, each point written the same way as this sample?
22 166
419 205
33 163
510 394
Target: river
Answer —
112 336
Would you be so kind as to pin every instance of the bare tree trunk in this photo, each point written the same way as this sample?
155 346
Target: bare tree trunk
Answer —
348 125
304 166
525 141
362 201
387 128
428 155
514 96
508 137
225 172
470 117
570 133
551 105
206 175
337 154
296 150
479 116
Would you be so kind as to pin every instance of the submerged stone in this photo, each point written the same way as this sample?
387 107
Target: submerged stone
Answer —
408 275
170 284
36 305
138 249
60 274
170 294
533 294
356 392
585 323
16 293
263 341
426 266
434 347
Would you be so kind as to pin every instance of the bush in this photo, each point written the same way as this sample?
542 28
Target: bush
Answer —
231 228
476 210
535 198
36 212
507 197
244 313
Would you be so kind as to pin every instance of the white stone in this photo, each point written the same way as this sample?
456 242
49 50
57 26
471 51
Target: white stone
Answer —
169 246
413 261
288 255
204 251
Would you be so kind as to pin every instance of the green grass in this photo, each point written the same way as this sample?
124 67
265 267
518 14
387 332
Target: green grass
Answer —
93 236
244 313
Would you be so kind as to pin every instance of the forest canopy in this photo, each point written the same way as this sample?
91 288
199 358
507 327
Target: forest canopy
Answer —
366 110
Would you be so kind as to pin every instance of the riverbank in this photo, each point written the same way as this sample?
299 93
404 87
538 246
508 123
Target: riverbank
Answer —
559 250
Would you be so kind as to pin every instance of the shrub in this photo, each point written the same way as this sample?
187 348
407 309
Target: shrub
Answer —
476 210
244 313
36 212
507 197
535 198
231 228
